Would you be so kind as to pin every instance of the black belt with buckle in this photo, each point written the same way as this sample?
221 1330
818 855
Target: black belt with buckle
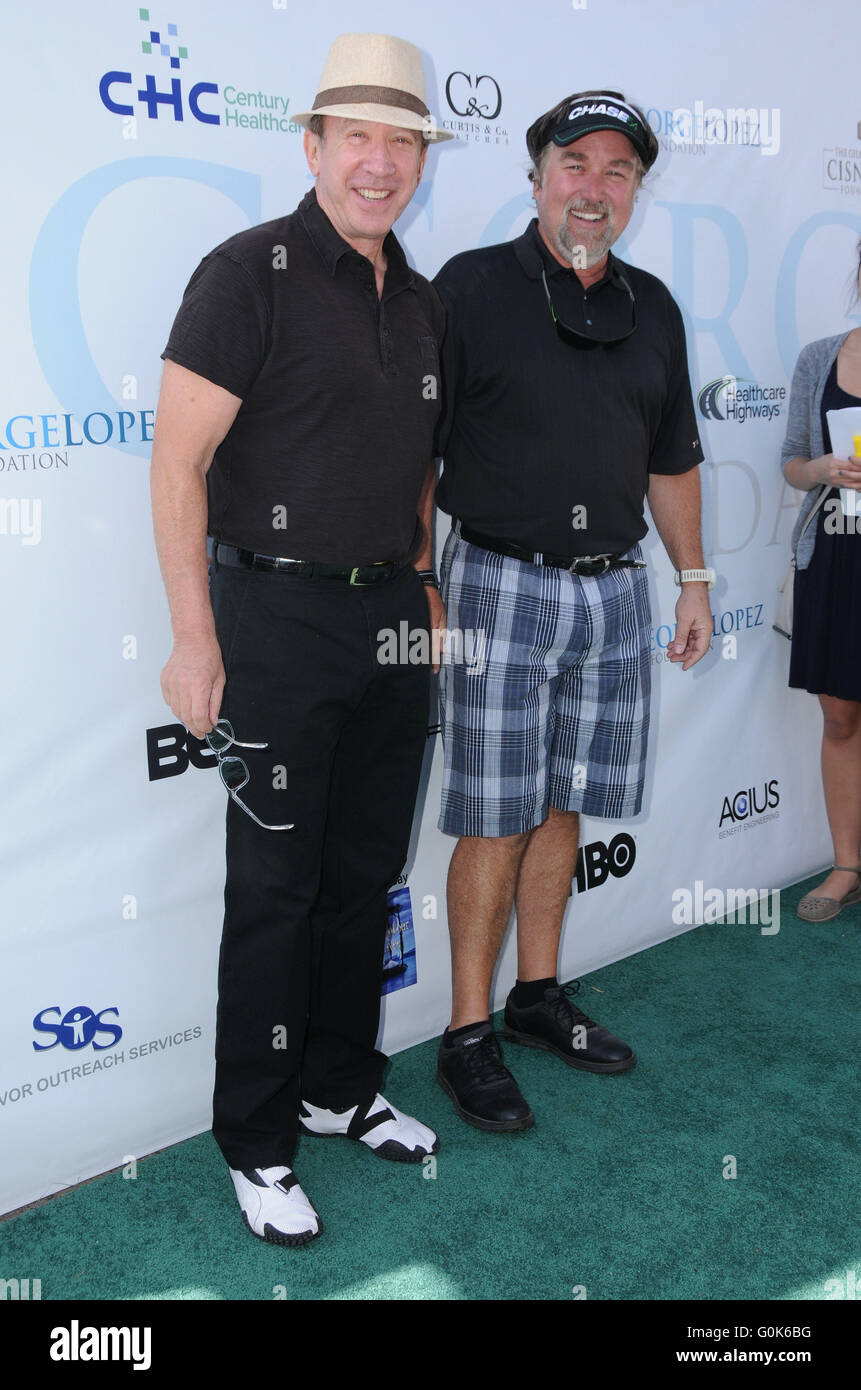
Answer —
578 564
310 569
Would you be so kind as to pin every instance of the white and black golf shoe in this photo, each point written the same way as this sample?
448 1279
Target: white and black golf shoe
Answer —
274 1207
385 1130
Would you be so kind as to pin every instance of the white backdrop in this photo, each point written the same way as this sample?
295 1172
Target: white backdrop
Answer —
118 182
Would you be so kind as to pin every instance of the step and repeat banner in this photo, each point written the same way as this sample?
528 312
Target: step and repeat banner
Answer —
137 138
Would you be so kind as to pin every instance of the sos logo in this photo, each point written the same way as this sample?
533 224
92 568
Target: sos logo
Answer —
596 862
77 1028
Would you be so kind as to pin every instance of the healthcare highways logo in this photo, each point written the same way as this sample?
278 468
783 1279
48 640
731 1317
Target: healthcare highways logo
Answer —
738 398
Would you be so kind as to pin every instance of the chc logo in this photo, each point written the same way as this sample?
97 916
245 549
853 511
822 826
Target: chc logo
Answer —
597 861
746 803
466 92
149 95
170 749
77 1028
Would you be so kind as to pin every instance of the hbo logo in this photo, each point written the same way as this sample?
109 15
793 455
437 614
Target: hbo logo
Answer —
597 861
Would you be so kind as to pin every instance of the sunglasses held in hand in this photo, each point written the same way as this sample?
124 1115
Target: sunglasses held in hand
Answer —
233 770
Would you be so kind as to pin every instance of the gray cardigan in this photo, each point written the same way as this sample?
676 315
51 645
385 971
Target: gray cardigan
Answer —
804 429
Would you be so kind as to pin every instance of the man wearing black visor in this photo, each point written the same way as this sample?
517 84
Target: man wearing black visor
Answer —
567 401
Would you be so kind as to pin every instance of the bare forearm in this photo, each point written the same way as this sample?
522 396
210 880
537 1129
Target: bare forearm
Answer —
805 474
424 558
193 417
675 504
179 519
674 500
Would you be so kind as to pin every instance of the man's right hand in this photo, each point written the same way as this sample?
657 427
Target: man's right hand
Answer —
192 683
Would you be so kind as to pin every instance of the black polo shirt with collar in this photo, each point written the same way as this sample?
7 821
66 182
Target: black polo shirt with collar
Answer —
340 396
533 427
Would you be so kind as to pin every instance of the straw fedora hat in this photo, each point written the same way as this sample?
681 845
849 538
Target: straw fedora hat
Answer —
375 77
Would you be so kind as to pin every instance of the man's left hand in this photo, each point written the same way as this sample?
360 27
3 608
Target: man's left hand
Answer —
437 620
693 626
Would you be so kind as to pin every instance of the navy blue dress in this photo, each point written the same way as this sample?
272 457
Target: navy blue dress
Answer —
826 651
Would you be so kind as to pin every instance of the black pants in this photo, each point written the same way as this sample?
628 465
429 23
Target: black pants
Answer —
305 918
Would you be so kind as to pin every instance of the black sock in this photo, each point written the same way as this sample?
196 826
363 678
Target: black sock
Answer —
529 992
452 1033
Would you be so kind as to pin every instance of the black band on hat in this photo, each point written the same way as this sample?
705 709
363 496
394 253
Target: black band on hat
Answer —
605 113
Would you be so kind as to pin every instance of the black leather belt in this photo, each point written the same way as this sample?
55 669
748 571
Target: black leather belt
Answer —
580 564
311 569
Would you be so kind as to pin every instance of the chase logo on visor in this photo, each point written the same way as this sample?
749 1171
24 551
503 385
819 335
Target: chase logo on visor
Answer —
602 108
605 113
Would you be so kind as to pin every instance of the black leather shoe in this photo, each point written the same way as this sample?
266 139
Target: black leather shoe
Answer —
484 1092
557 1026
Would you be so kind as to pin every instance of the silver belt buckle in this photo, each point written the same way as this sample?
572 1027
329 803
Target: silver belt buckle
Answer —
590 560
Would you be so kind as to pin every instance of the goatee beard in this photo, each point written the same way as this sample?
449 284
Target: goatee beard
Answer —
568 246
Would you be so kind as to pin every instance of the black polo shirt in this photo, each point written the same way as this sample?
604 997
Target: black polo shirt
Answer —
339 389
533 427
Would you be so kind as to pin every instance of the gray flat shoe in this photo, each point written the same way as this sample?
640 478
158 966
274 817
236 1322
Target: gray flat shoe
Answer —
814 908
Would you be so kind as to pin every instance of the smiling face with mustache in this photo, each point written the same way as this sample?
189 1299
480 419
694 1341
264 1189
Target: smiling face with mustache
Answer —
585 197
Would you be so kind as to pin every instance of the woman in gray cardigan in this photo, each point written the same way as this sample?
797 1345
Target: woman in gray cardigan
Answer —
826 653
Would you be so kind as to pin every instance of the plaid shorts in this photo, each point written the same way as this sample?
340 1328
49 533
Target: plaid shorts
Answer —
545 696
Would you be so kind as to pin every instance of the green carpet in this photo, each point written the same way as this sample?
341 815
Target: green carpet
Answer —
746 1047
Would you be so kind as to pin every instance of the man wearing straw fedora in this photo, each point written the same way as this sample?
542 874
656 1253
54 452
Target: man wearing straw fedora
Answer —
295 426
